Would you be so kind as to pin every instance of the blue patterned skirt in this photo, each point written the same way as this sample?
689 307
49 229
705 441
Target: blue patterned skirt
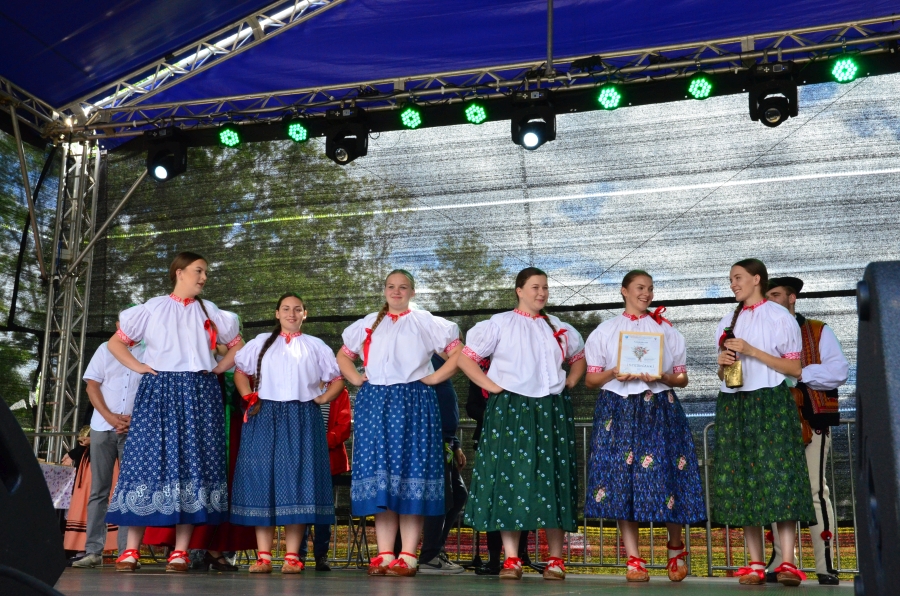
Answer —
397 451
173 468
282 475
643 466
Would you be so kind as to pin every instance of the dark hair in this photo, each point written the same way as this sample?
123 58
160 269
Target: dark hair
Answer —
181 261
753 267
384 309
276 331
523 276
631 276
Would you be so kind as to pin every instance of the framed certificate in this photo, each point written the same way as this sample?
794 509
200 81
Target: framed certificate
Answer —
640 352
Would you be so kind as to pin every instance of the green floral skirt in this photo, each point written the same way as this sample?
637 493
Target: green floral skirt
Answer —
760 474
525 474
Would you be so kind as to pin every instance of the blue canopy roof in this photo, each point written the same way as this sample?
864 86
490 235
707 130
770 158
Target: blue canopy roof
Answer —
62 55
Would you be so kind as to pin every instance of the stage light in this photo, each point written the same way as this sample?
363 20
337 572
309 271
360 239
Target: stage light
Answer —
475 113
347 136
609 97
411 117
167 155
533 121
700 86
773 92
297 131
844 69
229 136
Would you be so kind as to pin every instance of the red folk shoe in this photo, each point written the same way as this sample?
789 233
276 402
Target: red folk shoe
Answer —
750 576
128 561
635 570
400 568
675 571
512 568
377 566
262 564
789 575
292 564
555 569
179 562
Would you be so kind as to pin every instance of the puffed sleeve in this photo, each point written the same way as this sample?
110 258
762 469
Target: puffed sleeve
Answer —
443 334
594 352
96 368
246 358
677 348
328 367
574 343
355 335
482 340
227 325
788 339
133 323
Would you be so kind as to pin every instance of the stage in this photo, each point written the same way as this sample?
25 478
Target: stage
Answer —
153 580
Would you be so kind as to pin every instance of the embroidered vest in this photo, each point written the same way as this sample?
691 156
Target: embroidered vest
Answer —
818 409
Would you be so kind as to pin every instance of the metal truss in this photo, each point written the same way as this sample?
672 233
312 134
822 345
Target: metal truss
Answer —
872 36
62 360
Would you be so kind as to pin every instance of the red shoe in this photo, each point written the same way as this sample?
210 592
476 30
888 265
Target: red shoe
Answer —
400 568
677 572
789 575
512 568
175 567
635 570
750 576
262 564
555 569
292 564
377 566
122 564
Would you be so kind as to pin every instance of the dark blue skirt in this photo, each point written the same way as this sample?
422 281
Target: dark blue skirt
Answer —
173 468
282 475
397 451
643 466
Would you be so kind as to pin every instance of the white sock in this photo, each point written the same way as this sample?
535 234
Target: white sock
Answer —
410 560
674 553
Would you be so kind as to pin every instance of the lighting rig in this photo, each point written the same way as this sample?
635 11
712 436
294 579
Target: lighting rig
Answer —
773 92
167 155
533 120
347 136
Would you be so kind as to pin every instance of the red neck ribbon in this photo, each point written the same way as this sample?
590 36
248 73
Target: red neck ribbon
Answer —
657 315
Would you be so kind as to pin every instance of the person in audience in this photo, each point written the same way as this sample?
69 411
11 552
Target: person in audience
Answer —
525 472
111 388
643 466
398 470
282 475
173 465
760 474
825 368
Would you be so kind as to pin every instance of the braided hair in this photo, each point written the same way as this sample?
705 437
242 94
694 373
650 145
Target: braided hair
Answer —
181 261
276 331
522 278
753 267
384 309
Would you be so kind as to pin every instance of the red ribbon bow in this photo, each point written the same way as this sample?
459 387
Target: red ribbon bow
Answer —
366 343
673 562
558 335
251 399
213 336
657 315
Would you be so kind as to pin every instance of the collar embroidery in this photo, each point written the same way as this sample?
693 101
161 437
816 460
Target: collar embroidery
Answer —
755 306
182 301
394 317
289 336
529 315
634 317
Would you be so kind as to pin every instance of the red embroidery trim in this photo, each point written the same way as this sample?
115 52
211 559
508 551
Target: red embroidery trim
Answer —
679 369
237 339
289 336
754 306
243 372
337 378
395 317
182 301
349 353
792 356
471 354
577 357
125 339
451 346
634 317
595 369
527 314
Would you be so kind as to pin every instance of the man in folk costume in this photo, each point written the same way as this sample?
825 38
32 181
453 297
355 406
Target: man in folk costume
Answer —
824 370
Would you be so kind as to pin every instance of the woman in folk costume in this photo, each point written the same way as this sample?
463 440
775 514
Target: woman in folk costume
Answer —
398 467
282 475
643 467
760 467
525 474
173 468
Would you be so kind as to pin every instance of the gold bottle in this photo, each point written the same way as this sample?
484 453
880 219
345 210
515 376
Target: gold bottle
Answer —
733 374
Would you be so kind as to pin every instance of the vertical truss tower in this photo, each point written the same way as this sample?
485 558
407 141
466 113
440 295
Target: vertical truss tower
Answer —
62 359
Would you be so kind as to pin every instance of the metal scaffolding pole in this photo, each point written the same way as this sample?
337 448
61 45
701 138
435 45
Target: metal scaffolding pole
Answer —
67 301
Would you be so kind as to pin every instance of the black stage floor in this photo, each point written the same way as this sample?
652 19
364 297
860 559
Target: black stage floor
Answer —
89 582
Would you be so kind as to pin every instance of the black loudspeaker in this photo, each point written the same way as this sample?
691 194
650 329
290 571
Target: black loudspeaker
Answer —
878 430
30 540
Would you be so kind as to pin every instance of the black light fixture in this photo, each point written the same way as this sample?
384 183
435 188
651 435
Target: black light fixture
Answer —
167 155
533 119
773 92
347 137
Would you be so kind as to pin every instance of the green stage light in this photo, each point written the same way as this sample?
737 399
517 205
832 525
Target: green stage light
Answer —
297 131
844 69
411 117
475 113
229 136
609 97
700 87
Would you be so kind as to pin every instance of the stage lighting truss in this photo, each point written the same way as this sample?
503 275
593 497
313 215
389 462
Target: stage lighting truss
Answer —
411 116
844 69
229 136
347 136
296 130
533 120
167 155
610 96
773 92
475 112
700 86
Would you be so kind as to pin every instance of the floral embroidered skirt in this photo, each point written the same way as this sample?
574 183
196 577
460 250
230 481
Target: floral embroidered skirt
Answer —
760 475
397 451
282 474
173 468
526 475
643 466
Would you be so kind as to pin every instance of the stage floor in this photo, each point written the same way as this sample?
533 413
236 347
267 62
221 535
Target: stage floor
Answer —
150 580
